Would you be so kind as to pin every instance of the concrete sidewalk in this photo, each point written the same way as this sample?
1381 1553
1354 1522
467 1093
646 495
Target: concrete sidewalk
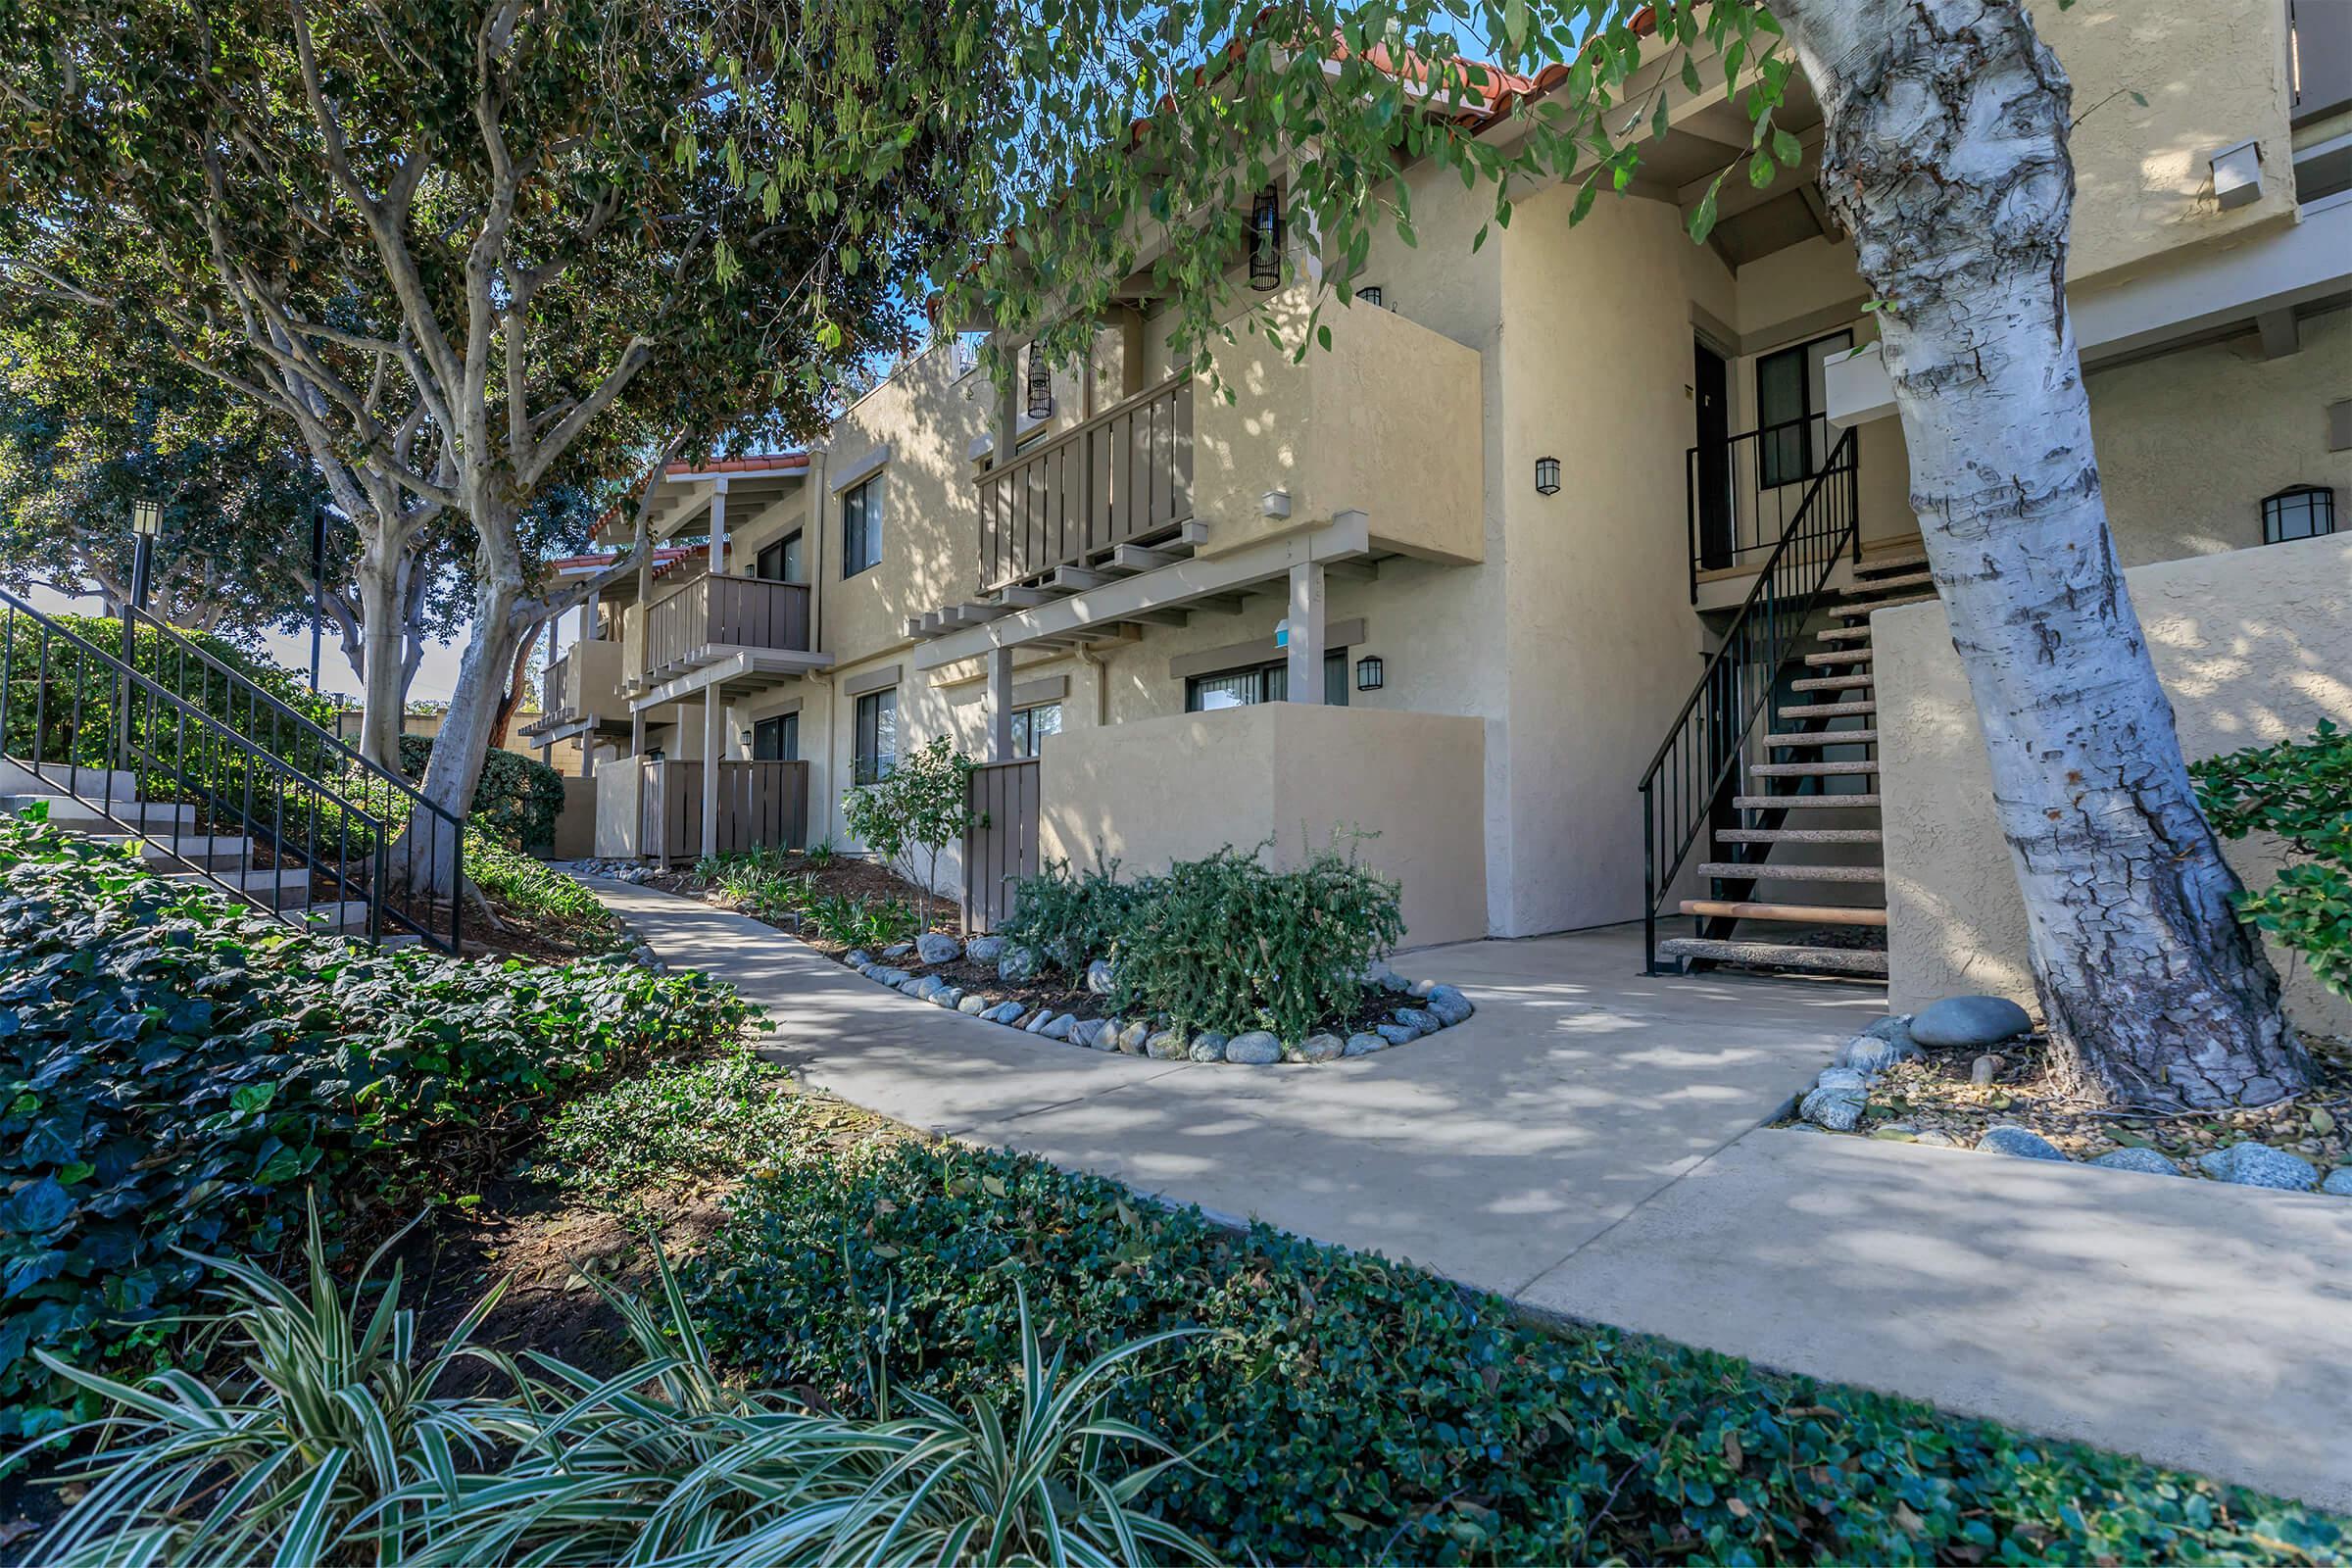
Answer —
1589 1145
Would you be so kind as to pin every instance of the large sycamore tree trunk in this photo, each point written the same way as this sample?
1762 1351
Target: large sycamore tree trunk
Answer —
1946 154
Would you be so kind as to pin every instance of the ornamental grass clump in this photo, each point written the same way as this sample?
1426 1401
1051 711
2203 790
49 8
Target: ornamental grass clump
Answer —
334 1442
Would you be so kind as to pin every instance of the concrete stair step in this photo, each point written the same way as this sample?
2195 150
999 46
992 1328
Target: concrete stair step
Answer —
1799 835
1777 955
1807 711
1810 769
282 889
1878 566
1872 587
210 851
1809 913
1840 656
1822 737
1831 683
349 915
81 817
1802 803
1843 634
1780 871
66 778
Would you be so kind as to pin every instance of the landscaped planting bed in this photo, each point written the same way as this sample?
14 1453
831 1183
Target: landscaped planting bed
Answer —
1334 1407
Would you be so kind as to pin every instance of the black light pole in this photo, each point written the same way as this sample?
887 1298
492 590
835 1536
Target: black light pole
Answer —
317 591
146 521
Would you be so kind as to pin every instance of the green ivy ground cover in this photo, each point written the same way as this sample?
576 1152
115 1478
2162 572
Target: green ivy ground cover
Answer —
1343 1409
179 1070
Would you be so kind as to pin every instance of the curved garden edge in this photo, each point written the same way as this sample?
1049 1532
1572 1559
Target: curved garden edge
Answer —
1441 1006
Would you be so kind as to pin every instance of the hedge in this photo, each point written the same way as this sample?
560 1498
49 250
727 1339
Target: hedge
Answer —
518 797
1343 1409
180 1069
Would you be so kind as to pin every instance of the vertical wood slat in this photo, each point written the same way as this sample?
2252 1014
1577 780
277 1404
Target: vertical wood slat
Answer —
762 804
1001 848
1118 478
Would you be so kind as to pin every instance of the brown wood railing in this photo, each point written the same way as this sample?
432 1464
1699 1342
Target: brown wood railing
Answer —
1122 478
999 847
762 804
554 691
737 611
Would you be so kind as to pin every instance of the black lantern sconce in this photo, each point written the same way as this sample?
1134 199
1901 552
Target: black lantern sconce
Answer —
2298 512
1041 384
1370 674
1548 476
1265 241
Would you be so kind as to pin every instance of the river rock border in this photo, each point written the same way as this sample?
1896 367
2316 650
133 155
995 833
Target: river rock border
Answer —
1840 1096
1424 1007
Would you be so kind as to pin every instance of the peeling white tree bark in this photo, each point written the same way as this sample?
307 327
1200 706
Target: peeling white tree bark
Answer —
1946 155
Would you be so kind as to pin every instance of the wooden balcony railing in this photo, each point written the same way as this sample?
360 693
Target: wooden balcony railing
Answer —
1124 476
724 611
556 690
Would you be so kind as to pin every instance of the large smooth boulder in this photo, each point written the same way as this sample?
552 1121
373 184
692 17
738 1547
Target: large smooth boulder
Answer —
1969 1021
1257 1049
1835 1110
937 947
1101 978
2020 1143
984 950
2259 1165
2145 1160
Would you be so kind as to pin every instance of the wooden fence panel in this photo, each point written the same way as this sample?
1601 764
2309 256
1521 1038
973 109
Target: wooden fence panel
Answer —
762 804
1001 848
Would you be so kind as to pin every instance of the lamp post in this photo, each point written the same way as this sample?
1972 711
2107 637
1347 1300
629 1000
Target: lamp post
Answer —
146 521
317 591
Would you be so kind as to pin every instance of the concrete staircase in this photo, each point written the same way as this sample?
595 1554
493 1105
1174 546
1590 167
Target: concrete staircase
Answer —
103 804
1810 744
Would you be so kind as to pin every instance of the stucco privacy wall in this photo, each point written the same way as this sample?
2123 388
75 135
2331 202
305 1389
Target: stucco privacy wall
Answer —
2253 647
1168 788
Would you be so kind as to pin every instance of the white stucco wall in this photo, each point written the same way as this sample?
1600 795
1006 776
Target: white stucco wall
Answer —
2253 647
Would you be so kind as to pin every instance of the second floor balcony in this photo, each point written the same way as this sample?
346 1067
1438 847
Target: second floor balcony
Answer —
1387 420
748 624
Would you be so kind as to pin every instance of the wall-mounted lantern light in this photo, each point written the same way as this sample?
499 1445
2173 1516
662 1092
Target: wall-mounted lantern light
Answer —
1370 674
1548 476
1282 632
2298 512
747 743
1265 240
1041 384
1369 294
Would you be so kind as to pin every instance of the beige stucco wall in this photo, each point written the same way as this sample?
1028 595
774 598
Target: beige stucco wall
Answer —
619 798
2213 73
1177 788
2253 647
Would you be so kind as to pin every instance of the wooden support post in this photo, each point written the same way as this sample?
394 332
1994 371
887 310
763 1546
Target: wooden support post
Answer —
1305 648
715 719
1000 705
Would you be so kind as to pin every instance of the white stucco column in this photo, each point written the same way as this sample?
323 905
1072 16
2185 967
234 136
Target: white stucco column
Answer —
715 719
718 526
1305 648
1000 706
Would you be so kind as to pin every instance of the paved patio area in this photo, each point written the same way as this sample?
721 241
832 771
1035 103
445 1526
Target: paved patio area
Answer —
1590 1144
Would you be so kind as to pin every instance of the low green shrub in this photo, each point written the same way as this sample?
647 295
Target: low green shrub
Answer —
682 1120
1343 1409
333 1442
553 903
519 798
177 1069
2302 792
1068 917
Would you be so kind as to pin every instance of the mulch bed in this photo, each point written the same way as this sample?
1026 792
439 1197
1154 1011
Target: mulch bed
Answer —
1932 1101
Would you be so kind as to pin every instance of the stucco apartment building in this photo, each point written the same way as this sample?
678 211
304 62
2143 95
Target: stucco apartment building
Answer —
1483 579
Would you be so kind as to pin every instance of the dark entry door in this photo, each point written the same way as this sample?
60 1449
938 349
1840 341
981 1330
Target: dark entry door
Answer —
1712 382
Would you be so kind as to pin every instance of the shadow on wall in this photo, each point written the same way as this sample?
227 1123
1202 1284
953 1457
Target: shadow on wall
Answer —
2253 647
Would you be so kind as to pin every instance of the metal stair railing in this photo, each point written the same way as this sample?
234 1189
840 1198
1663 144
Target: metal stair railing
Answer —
78 717
1690 781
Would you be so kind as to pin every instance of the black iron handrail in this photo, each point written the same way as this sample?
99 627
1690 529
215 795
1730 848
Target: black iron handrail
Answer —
228 776
1751 479
1689 779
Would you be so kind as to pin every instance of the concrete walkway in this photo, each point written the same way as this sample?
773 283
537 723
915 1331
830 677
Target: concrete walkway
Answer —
1589 1145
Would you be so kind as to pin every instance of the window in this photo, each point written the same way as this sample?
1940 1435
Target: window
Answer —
1033 724
777 739
1263 683
861 526
876 737
1789 397
2298 512
781 562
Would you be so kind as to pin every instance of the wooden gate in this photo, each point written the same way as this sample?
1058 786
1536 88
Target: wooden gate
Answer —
762 804
999 847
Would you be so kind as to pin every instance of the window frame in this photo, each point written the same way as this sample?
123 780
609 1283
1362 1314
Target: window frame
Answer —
787 729
782 550
1335 682
861 538
1024 728
1792 456
868 762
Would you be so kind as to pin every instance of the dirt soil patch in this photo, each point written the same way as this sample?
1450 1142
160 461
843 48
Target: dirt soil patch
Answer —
1934 1101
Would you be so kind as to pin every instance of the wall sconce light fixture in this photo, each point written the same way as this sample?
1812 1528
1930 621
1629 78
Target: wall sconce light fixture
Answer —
1548 476
1370 674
